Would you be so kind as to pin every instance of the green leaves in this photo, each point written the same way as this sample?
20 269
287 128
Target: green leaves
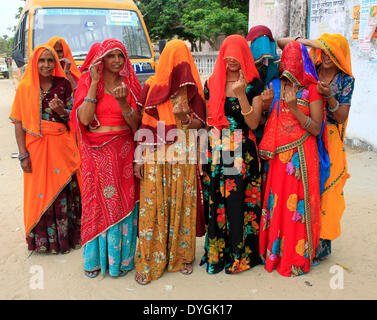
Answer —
194 20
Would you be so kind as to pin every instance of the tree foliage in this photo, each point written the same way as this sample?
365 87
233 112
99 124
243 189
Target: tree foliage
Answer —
194 20
6 45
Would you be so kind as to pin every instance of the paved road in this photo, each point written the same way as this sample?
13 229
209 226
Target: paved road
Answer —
63 277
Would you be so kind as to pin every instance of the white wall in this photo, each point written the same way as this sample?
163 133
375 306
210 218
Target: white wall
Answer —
362 123
272 13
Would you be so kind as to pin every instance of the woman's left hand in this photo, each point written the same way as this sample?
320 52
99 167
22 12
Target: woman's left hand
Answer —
121 93
67 64
324 89
239 87
291 96
57 105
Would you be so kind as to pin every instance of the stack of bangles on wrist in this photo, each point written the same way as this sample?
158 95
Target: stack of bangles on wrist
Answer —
128 114
335 108
247 113
22 156
90 100
307 124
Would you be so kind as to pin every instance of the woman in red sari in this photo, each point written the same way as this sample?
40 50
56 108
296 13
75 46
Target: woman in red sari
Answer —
290 222
106 114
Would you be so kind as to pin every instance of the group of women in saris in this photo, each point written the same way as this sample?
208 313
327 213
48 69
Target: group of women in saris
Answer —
267 194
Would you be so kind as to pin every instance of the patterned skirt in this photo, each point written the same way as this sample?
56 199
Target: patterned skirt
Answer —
114 249
58 230
167 219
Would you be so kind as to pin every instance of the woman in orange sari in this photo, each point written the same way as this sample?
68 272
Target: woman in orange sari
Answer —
332 58
48 155
290 222
168 187
66 60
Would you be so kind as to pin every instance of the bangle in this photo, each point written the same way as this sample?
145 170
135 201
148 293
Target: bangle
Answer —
335 108
297 38
247 113
22 156
128 114
90 100
308 122
328 97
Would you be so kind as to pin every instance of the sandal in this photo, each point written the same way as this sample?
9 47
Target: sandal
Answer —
91 274
187 269
141 279
122 273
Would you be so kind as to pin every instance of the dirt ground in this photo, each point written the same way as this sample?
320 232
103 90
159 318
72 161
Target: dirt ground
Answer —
61 276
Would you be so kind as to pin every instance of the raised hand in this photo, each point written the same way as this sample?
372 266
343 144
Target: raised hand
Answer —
291 96
267 98
57 105
121 93
239 87
324 89
67 64
95 72
181 108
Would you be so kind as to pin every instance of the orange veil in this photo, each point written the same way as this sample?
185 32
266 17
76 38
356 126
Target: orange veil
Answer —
67 54
53 152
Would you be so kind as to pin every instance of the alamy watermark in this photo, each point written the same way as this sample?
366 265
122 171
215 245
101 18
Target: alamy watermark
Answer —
190 147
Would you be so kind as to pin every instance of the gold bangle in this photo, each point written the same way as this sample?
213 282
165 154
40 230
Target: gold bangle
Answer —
247 113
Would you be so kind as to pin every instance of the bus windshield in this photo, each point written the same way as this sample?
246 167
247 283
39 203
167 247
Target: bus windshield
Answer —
83 27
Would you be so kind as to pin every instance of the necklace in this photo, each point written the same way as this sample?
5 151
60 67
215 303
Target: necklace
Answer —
116 85
44 93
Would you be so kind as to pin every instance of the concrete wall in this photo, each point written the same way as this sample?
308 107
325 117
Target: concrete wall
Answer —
362 123
272 13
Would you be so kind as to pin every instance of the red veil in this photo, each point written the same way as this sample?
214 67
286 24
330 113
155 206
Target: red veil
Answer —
234 46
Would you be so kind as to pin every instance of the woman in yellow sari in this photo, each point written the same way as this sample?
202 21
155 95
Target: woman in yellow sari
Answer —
332 58
172 99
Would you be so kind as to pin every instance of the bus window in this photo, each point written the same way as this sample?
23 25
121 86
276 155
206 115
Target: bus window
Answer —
26 38
124 25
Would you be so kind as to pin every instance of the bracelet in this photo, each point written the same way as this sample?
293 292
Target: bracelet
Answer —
247 113
328 97
308 122
335 108
22 156
128 114
90 100
297 38
65 117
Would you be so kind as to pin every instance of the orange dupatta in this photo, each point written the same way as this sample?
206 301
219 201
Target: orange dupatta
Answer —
176 69
67 54
336 47
332 200
53 152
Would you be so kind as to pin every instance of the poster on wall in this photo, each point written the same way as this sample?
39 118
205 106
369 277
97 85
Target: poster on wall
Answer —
368 24
326 16
368 19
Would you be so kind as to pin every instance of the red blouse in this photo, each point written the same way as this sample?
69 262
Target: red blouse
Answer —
108 111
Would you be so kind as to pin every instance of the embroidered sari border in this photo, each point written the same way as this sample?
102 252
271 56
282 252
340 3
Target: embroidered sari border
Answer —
304 174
